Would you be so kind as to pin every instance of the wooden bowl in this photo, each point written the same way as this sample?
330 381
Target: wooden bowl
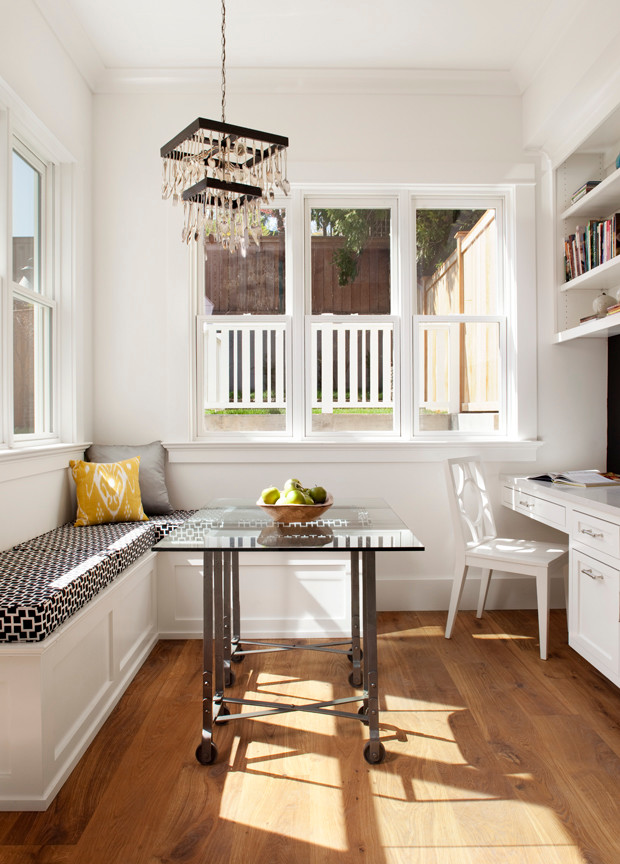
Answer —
285 514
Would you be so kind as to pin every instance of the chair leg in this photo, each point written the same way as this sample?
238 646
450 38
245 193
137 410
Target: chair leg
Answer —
455 598
542 594
485 579
566 600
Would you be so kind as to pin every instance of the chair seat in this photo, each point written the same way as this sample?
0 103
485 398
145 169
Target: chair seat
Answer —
533 553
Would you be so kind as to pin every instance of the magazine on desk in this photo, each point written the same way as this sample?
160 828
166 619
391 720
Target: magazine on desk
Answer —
587 477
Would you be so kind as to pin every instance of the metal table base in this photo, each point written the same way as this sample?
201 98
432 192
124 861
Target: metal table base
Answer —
223 646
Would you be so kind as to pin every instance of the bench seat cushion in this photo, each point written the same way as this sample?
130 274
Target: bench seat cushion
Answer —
49 578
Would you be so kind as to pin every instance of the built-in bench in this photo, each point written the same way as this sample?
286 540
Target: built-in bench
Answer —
78 617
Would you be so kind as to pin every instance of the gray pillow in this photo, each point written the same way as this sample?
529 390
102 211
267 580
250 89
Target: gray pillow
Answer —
152 476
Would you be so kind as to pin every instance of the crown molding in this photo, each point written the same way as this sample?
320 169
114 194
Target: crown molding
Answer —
302 81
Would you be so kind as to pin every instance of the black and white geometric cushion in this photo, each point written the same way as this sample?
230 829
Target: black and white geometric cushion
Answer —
49 578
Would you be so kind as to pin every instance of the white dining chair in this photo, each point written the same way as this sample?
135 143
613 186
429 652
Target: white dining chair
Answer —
477 545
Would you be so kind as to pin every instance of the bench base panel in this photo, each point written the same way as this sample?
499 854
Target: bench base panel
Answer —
55 695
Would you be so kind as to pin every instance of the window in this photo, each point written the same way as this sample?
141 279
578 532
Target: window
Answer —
243 335
32 298
459 364
37 407
320 332
350 333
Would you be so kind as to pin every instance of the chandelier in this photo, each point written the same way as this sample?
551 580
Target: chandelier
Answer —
223 174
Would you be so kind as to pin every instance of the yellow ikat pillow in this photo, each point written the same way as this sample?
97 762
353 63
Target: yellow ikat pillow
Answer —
107 491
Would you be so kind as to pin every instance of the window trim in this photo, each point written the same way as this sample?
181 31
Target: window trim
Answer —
46 388
516 202
18 122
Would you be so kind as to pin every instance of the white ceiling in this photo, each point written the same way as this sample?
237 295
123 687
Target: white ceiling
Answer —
509 38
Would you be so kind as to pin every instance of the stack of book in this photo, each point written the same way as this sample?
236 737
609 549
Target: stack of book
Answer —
596 243
588 186
613 309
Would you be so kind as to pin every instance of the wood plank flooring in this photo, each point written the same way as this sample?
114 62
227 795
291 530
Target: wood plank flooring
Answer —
493 757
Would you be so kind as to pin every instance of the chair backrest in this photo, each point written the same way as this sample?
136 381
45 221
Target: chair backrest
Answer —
472 513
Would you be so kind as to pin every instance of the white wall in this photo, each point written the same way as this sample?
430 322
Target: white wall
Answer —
49 96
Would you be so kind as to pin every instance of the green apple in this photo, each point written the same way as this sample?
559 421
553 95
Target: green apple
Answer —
307 498
318 494
293 483
270 495
295 496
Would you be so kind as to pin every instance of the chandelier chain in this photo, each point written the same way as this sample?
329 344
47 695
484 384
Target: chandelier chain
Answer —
223 61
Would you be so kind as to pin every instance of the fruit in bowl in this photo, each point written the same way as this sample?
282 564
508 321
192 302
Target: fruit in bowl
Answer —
295 503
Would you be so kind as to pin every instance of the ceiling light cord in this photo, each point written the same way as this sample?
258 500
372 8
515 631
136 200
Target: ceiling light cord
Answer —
223 61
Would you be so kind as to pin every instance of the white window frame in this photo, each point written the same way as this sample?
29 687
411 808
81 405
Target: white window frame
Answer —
361 200
19 124
516 261
45 384
458 201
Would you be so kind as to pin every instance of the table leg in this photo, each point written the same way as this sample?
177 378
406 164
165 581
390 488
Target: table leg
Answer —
355 678
236 613
229 677
374 751
218 618
206 751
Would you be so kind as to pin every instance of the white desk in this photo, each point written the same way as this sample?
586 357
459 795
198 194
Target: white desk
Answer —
591 518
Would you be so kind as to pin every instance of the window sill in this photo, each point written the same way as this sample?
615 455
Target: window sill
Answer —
496 450
32 460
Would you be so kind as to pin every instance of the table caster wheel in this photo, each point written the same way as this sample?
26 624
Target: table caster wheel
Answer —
376 758
363 712
363 709
350 656
237 658
230 679
353 683
212 755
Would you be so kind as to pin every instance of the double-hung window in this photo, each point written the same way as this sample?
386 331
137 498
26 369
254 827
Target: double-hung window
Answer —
352 321
32 296
361 317
459 332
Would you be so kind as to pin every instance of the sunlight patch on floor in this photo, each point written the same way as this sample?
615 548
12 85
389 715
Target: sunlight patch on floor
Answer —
310 805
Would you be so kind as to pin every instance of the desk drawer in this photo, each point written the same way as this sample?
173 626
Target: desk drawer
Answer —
536 508
596 533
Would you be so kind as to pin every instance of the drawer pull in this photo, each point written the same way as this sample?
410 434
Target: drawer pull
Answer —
590 532
590 572
528 504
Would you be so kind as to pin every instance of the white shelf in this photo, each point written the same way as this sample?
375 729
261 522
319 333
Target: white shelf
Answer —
605 276
597 328
601 202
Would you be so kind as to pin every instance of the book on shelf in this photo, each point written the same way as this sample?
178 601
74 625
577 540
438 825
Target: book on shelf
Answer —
613 309
587 477
591 245
588 186
588 318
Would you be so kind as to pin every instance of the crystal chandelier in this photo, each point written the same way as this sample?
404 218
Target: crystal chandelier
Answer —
223 174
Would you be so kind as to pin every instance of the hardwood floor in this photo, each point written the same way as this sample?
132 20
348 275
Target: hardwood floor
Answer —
492 756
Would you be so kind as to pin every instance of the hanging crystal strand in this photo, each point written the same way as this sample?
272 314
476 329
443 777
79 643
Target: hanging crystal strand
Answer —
286 186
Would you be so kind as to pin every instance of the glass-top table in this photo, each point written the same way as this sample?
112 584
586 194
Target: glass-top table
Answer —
227 526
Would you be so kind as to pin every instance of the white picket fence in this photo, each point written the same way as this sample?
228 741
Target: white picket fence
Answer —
243 362
350 361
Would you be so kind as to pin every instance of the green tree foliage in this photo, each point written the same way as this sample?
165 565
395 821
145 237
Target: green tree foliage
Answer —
355 227
435 233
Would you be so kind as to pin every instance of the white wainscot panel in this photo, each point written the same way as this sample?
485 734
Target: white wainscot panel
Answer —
282 595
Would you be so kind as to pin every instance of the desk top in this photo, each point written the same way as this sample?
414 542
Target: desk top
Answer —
238 523
602 499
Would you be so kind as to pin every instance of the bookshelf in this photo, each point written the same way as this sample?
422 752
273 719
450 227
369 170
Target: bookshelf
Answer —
593 160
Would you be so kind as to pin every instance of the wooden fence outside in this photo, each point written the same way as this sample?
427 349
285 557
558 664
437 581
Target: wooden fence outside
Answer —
461 361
